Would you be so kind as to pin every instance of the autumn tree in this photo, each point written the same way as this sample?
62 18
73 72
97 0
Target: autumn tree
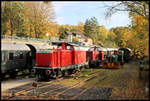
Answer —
102 33
80 27
40 17
12 17
33 19
141 27
139 15
111 36
4 17
140 8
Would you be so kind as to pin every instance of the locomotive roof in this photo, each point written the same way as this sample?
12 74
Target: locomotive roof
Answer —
69 43
41 46
14 46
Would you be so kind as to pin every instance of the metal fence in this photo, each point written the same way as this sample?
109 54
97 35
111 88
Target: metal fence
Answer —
6 37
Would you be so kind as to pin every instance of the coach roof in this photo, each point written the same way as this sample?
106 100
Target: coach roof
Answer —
14 46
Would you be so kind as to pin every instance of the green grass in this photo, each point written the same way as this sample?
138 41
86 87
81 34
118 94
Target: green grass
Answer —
80 76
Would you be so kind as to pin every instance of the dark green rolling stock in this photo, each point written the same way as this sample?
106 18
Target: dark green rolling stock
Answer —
126 54
14 57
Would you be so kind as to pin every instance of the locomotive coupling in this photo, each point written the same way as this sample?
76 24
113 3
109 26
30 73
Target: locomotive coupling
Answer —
48 72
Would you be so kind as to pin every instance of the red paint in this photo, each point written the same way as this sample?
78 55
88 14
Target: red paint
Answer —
43 59
64 56
79 57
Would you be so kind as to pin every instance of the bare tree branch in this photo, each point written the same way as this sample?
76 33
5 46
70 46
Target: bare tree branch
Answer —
135 7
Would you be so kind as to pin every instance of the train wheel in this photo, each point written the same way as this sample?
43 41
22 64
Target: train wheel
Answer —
49 78
81 68
63 73
53 75
59 73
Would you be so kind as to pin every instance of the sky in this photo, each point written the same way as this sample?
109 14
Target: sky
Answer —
71 12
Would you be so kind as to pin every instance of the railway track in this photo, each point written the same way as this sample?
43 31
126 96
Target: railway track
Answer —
28 89
89 87
57 96
24 89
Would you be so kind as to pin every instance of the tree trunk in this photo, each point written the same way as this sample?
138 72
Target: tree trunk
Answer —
11 28
35 32
30 31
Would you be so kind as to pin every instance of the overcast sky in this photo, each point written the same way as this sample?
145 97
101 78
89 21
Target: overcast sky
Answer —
71 12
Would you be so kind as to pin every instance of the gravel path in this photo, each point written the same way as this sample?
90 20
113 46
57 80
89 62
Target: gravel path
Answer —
5 85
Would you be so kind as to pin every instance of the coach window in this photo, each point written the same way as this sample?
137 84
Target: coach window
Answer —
11 56
2 58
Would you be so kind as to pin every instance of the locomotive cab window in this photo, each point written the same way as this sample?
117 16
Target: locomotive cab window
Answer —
11 56
91 49
69 47
59 47
97 49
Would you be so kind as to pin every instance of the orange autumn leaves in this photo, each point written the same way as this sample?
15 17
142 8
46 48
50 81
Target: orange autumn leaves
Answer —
142 29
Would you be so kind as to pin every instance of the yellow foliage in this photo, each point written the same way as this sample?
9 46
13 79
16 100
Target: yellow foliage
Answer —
80 27
147 47
142 30
142 24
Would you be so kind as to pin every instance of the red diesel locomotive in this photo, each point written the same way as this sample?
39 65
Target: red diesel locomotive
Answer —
66 58
95 55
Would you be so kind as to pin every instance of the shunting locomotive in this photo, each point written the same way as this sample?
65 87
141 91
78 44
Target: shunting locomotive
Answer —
66 58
